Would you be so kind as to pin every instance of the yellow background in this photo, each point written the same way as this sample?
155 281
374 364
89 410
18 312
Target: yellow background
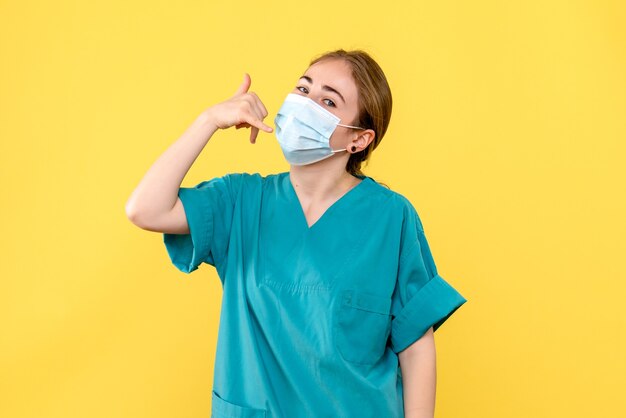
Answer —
507 135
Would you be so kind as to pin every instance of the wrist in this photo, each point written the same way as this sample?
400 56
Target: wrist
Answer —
206 122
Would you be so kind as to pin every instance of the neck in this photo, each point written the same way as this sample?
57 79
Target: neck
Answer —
322 181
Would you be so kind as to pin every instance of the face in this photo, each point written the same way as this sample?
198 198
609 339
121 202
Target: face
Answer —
329 83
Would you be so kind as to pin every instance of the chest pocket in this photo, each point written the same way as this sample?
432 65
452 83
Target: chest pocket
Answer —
361 326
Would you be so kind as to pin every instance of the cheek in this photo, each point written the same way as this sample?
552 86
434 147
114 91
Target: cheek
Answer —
340 136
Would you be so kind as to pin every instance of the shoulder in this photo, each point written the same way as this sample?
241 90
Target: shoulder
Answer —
245 183
398 204
252 178
245 179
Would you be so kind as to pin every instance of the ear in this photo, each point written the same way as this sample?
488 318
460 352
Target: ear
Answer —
363 139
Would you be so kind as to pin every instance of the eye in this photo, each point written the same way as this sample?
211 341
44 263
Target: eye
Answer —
302 89
330 103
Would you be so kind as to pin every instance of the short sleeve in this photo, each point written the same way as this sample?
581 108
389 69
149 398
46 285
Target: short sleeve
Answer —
421 298
209 210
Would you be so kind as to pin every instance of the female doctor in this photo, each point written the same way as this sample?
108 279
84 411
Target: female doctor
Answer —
330 292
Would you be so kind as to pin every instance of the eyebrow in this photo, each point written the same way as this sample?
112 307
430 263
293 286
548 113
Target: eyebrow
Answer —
324 87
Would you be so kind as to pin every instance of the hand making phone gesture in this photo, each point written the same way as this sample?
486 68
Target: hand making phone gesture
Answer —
243 110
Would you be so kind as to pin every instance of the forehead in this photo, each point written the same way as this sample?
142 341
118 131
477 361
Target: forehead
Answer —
335 73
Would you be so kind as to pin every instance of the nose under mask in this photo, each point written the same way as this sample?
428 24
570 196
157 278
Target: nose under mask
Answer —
304 128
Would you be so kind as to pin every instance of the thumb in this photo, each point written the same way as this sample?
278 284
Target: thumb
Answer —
245 85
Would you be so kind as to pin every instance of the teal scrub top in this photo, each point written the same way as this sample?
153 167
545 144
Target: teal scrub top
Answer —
312 318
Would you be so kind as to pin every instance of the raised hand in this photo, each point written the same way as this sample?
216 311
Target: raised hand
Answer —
243 110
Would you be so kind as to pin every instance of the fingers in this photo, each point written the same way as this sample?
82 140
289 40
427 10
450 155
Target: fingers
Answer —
254 110
259 103
253 134
245 85
252 116
255 113
254 107
243 88
254 122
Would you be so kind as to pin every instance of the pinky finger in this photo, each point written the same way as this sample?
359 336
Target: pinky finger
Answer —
254 132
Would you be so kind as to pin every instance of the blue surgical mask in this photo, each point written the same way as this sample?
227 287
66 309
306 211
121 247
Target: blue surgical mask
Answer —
304 128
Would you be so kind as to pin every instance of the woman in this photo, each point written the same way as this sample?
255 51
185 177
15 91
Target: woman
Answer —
330 292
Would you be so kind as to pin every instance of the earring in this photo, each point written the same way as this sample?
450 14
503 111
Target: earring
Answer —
353 148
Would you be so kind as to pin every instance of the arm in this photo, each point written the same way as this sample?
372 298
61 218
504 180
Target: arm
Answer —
419 377
154 204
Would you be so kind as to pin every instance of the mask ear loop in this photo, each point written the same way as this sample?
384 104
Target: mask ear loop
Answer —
350 126
353 127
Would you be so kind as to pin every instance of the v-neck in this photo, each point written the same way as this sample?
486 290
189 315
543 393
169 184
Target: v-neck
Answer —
326 213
